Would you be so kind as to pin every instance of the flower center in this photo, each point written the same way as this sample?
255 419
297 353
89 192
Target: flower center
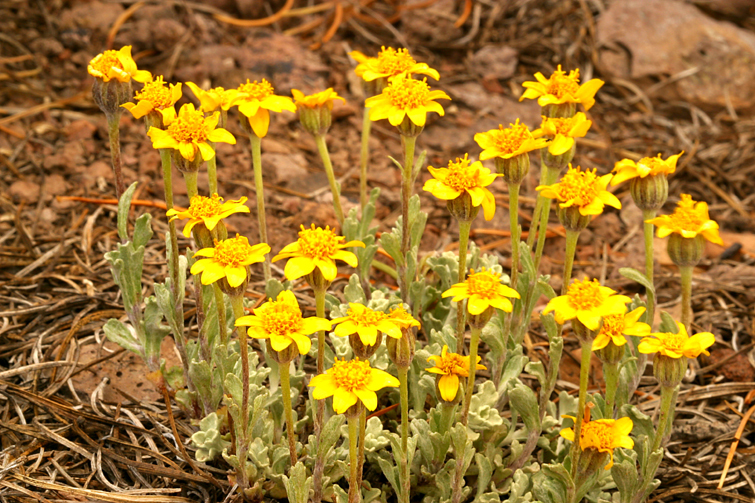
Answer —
508 140
392 62
562 125
654 164
202 206
578 186
317 242
401 317
484 283
257 90
596 435
460 177
685 217
105 61
366 317
282 318
407 93
560 84
452 363
613 325
674 342
188 127
156 93
351 375
232 252
585 295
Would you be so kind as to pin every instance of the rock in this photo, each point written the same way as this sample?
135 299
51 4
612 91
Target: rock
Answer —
71 155
727 7
287 167
665 37
503 109
24 190
494 62
91 16
47 46
81 129
434 25
55 185
98 170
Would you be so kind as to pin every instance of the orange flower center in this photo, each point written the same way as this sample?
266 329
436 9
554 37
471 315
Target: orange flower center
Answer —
407 94
366 317
585 295
105 61
560 84
613 325
188 127
578 186
673 342
509 140
654 163
223 95
685 217
318 243
282 318
392 62
206 207
156 93
562 125
257 90
232 252
597 435
351 375
460 177
402 318
484 284
452 363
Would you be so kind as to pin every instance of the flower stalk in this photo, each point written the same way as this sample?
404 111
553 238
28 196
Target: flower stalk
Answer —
464 228
473 343
353 419
514 224
584 374
686 284
364 158
668 393
242 443
113 131
322 148
259 189
406 193
284 369
649 262
571 248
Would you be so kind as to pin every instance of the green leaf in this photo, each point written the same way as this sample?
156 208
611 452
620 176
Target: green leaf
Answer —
118 333
668 324
329 434
298 484
124 207
485 473
353 292
624 473
522 398
637 277
142 230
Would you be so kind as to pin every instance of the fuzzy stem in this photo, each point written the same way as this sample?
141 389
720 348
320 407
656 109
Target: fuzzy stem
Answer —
212 171
165 160
667 410
514 224
686 274
220 304
571 249
354 493
472 371
649 262
584 374
551 175
538 208
403 373
256 142
237 301
191 184
461 310
611 373
113 131
406 193
286 390
362 434
447 413
317 472
364 158
322 147
380 266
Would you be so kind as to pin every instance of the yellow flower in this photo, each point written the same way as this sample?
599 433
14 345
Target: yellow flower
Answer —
562 88
189 132
689 219
229 259
460 177
367 323
317 248
517 139
563 130
401 317
617 326
405 97
215 98
483 289
323 98
208 211
349 381
677 345
388 64
256 100
118 65
450 366
587 301
582 189
281 321
626 169
154 96
603 435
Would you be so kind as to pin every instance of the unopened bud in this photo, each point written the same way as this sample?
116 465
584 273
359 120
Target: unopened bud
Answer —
685 252
649 193
285 356
480 320
669 371
514 169
185 165
110 95
572 219
611 354
462 208
566 110
401 351
558 162
361 349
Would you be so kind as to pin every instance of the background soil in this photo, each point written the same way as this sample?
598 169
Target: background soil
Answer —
678 77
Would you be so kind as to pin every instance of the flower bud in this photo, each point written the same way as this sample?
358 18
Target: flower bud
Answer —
584 334
401 351
559 110
480 320
611 354
110 95
669 371
184 165
514 169
685 252
409 129
572 219
316 120
462 208
316 280
285 356
558 162
362 350
649 193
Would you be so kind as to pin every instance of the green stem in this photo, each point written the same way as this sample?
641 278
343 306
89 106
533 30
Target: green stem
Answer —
237 301
571 249
686 274
447 414
212 171
667 411
113 131
354 493
515 238
380 266
538 208
464 228
320 311
220 304
322 147
406 193
286 390
165 160
362 434
472 371
364 158
611 373
551 175
191 184
649 261
256 142
584 374
403 373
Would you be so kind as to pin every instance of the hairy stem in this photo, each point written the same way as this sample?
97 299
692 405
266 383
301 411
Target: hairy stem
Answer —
571 249
364 158
584 374
191 184
404 389
667 411
256 142
286 390
472 371
461 310
686 274
354 492
237 301
538 208
322 147
113 131
317 472
212 171
514 224
649 263
611 373
406 193
362 434
551 175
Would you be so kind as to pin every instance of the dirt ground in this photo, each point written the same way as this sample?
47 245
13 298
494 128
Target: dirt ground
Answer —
56 289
